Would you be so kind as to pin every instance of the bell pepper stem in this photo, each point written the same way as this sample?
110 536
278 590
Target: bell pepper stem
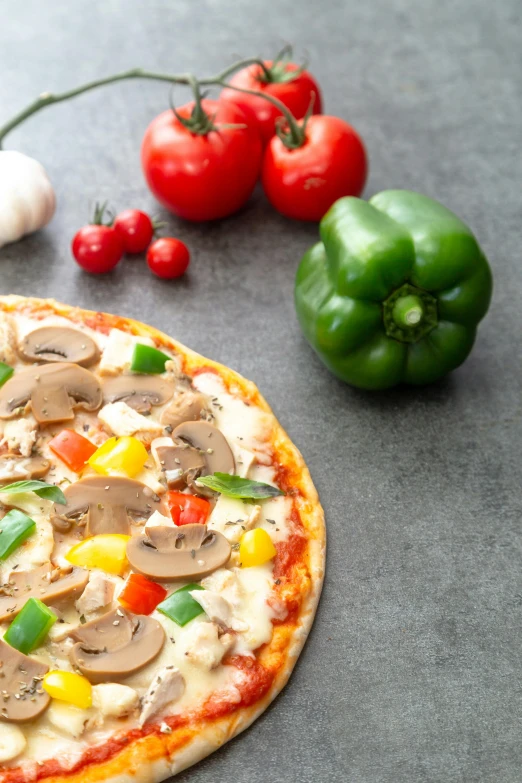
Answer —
408 311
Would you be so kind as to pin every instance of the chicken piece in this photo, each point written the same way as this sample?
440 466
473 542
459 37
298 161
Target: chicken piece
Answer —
234 532
68 718
7 340
113 700
204 647
159 520
167 686
122 420
20 435
98 593
12 742
117 354
218 610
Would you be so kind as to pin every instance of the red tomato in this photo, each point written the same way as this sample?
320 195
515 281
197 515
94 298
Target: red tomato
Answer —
97 249
135 229
73 449
202 177
303 183
295 94
140 595
168 258
188 509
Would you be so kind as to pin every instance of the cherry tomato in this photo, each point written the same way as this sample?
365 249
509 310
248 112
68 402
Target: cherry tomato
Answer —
136 230
97 249
168 258
296 94
202 176
303 183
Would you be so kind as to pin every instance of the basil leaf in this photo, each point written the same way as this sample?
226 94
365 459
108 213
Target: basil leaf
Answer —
237 487
40 488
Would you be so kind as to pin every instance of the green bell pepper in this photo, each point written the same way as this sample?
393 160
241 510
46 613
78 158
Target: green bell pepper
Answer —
146 359
394 292
29 630
180 606
15 528
5 372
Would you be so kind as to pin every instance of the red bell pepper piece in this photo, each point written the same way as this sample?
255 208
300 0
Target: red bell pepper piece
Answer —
140 595
73 449
188 509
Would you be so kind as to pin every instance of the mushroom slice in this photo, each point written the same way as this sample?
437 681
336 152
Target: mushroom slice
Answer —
59 344
177 460
23 698
54 390
116 645
212 445
16 467
185 407
46 583
168 554
105 504
140 392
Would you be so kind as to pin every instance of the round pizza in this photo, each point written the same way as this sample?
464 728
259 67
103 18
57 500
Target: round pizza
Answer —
162 549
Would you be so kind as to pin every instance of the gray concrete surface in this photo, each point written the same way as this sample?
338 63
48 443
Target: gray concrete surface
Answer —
412 672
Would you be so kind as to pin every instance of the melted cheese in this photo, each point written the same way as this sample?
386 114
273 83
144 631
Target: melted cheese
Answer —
248 431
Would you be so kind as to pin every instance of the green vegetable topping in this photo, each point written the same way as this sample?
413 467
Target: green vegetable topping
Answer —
180 606
29 630
148 360
237 487
15 528
40 488
5 373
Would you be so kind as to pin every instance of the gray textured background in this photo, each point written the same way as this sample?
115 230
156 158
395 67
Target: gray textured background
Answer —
412 672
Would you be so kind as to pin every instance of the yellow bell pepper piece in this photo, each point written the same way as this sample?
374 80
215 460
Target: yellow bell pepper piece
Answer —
69 687
119 455
256 548
106 551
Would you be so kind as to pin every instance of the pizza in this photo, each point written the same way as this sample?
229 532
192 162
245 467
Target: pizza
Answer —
162 549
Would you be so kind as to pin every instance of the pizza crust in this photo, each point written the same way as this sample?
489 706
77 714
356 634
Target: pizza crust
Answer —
155 757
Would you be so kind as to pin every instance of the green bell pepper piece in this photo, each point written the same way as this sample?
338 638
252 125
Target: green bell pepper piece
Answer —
29 630
5 373
394 292
146 359
180 606
15 528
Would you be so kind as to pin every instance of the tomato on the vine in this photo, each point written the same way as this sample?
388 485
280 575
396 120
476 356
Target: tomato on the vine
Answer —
288 82
136 230
202 162
97 247
304 182
168 258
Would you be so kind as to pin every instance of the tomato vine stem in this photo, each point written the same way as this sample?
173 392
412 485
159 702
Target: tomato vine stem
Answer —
49 99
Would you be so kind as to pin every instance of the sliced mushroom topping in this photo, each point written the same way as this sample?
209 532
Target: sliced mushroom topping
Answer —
23 697
46 583
54 390
106 504
186 407
16 467
177 460
140 392
168 554
116 645
212 445
59 344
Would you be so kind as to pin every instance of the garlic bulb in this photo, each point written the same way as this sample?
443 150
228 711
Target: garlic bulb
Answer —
27 199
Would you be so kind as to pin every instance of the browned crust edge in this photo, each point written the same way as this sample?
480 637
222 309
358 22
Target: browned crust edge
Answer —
154 758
